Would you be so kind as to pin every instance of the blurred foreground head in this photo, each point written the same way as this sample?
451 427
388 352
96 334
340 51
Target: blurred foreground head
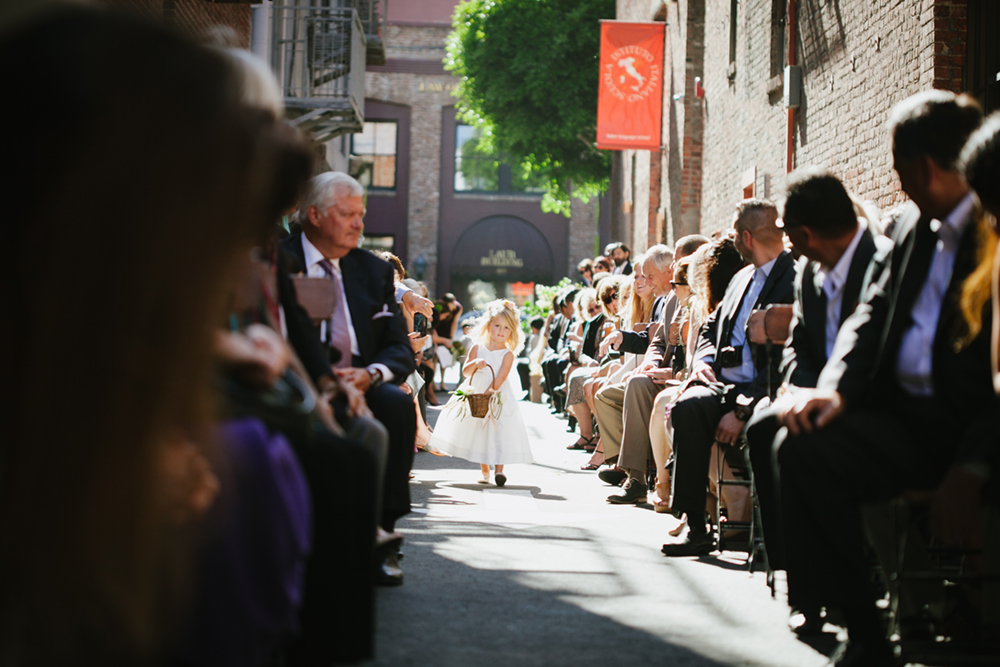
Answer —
129 205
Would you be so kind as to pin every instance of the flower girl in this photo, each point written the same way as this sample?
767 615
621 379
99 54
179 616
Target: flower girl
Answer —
500 436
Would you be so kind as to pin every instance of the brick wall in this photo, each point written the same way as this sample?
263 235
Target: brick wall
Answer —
196 16
859 57
191 16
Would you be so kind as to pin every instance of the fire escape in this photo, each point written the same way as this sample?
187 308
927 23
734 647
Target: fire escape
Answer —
318 52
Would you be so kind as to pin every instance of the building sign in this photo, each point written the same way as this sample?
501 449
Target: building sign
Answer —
435 87
502 259
630 97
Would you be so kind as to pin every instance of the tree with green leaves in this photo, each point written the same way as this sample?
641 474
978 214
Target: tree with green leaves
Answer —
529 80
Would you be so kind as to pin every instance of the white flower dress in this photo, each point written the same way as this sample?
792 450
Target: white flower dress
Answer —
498 438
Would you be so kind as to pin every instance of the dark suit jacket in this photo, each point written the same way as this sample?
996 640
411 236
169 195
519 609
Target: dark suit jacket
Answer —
368 286
591 331
863 366
638 342
718 330
805 353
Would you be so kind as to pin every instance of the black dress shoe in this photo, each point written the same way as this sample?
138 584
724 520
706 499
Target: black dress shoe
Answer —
635 492
389 573
857 654
806 622
699 545
613 476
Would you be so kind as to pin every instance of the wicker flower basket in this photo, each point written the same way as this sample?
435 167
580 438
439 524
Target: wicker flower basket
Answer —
479 404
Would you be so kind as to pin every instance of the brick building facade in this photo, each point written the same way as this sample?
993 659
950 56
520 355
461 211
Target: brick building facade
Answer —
433 223
857 58
193 17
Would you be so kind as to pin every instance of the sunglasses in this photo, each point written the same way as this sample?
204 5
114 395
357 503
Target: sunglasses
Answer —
678 284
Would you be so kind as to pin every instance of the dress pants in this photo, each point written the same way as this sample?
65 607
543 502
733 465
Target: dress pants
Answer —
762 431
826 475
640 393
337 618
394 409
696 417
609 406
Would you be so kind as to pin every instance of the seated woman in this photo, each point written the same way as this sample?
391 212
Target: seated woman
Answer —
594 331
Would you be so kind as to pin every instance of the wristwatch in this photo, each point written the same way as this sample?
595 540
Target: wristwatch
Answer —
743 411
376 376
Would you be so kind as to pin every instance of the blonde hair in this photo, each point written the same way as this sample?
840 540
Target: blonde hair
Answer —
512 317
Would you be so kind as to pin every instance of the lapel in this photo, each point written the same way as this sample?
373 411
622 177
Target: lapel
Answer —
856 274
951 323
350 270
293 245
814 309
915 261
732 302
777 272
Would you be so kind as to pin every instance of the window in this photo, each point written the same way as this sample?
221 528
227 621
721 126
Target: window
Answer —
373 155
733 13
479 172
474 171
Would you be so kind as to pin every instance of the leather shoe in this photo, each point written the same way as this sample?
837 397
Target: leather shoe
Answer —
699 545
389 573
806 622
856 654
635 492
386 543
613 476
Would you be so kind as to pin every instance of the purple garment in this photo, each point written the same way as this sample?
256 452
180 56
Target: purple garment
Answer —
251 567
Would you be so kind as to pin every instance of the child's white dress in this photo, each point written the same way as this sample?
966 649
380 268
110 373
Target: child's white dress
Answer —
498 438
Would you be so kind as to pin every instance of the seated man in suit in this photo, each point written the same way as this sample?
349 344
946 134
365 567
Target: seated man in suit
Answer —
837 248
557 356
906 400
727 379
366 334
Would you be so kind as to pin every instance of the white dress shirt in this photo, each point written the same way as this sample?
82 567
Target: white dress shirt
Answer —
914 365
833 288
313 257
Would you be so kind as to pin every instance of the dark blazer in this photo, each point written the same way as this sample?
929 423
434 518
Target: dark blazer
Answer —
591 331
863 366
718 330
378 323
638 342
805 353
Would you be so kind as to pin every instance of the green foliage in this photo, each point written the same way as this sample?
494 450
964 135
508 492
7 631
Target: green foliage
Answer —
542 305
529 80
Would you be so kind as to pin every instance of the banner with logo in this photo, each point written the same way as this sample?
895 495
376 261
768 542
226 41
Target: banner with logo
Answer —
630 101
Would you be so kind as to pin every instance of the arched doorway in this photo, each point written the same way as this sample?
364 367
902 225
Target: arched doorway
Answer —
500 256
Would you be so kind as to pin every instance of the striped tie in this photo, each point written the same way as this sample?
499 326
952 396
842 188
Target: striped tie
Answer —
340 336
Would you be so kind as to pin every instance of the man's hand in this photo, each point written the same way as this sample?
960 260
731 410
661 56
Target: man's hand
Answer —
729 429
356 403
611 341
659 375
704 373
812 408
415 303
358 377
417 341
955 512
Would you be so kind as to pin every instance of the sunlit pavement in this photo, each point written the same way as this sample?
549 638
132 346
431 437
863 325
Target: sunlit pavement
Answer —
545 572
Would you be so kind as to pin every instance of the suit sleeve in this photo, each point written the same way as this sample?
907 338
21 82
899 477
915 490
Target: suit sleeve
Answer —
799 367
395 352
633 342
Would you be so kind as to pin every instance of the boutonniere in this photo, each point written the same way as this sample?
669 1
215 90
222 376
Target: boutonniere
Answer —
385 312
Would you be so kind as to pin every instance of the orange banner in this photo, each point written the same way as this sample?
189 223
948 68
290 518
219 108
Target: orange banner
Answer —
630 101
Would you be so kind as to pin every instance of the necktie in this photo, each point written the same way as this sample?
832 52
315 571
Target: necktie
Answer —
340 337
